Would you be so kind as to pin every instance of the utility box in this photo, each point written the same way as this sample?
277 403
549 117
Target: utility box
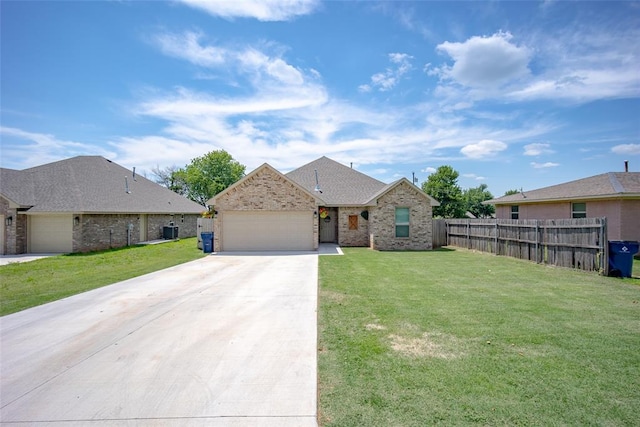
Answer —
169 232
621 257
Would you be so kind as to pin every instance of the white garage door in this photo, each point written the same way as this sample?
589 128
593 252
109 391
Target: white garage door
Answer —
267 231
51 233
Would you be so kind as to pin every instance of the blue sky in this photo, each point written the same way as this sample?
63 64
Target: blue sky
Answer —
510 94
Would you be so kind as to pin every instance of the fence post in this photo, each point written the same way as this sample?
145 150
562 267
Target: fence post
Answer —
604 247
537 239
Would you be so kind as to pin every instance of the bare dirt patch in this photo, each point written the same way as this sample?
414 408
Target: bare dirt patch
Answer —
374 327
332 296
436 345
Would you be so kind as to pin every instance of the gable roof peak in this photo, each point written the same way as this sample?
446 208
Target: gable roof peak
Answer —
341 185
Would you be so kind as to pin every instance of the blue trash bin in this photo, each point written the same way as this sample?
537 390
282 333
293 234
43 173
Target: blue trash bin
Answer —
207 242
621 257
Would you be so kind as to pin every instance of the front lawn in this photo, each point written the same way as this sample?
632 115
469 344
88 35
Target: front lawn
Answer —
461 338
24 285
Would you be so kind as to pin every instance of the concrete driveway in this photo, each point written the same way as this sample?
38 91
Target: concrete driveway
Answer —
222 341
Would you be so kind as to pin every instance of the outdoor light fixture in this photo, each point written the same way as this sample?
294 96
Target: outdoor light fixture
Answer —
76 220
8 221
315 214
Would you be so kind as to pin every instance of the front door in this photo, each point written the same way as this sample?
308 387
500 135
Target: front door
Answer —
329 227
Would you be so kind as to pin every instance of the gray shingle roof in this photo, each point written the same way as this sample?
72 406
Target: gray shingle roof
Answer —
340 184
606 185
89 184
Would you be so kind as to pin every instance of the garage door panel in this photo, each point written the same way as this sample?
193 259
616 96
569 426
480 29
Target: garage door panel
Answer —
267 230
51 234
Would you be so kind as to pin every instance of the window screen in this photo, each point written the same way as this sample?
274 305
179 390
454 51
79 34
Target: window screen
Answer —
402 222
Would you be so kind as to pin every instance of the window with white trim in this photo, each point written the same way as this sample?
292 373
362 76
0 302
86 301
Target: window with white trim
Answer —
515 212
578 210
402 222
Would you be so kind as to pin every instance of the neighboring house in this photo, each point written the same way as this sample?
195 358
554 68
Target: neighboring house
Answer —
86 203
614 195
323 201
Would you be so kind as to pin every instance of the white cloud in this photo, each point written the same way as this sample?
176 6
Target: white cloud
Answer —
630 149
474 176
42 148
582 64
544 165
485 62
248 62
262 10
482 149
537 149
187 46
429 170
388 79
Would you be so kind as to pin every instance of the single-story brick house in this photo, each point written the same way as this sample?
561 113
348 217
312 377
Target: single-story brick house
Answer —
86 203
614 195
322 201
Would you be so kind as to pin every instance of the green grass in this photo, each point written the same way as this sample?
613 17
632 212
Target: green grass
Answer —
24 285
461 338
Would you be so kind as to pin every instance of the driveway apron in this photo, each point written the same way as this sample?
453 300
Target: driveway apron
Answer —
227 340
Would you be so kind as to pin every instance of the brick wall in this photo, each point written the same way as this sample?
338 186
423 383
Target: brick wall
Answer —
15 235
265 190
100 232
347 237
382 218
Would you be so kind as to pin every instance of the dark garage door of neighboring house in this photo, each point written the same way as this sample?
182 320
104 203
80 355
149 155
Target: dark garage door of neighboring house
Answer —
267 231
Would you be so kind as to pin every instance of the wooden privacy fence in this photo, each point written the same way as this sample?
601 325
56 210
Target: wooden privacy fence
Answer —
573 243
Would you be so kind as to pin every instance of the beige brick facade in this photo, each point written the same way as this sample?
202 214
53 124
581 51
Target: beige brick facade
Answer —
382 218
266 190
349 236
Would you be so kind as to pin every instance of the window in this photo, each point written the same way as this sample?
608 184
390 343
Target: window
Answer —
578 210
402 222
515 212
353 222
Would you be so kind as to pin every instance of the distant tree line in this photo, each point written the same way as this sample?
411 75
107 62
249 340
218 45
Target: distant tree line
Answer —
455 202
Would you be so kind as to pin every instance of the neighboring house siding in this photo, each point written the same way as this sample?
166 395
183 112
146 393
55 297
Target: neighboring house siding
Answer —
630 220
348 237
622 215
267 191
382 218
105 231
536 211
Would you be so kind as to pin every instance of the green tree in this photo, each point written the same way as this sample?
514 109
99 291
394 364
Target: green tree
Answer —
473 198
442 185
208 175
203 178
510 192
171 177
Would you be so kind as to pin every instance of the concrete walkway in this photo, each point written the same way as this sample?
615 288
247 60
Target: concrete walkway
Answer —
222 341
10 259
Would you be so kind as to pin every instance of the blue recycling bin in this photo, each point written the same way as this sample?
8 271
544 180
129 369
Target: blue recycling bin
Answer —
621 257
207 242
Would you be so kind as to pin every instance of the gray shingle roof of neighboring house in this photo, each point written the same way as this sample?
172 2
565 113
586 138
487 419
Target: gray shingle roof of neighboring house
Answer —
89 184
604 186
340 185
